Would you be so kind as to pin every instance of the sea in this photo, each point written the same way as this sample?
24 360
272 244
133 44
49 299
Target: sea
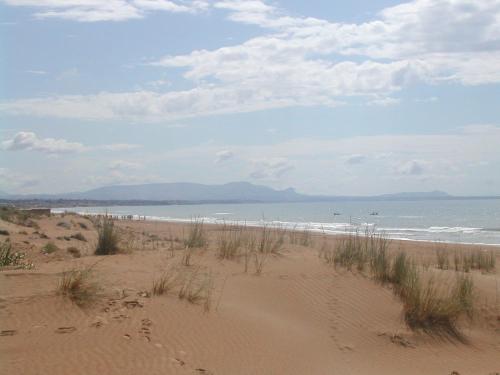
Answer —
470 221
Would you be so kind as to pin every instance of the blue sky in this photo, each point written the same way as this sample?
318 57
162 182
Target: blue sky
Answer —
329 97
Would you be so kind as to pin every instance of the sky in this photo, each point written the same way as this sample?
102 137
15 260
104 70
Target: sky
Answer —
325 96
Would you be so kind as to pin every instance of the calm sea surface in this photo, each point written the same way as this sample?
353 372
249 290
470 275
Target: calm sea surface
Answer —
463 221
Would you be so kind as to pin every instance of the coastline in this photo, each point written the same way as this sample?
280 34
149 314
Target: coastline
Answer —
316 228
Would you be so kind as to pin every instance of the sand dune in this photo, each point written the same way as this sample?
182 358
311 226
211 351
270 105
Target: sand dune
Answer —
300 316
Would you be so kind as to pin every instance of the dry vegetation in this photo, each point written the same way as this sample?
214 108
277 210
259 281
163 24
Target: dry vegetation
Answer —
431 305
8 257
78 285
107 240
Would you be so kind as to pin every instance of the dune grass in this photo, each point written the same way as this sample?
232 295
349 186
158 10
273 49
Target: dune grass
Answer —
166 282
107 237
49 248
230 240
479 259
197 236
78 285
262 243
435 310
197 287
300 237
428 305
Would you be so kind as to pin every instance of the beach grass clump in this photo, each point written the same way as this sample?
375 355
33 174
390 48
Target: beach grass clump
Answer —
443 261
475 260
166 282
197 287
268 241
197 236
259 244
107 237
78 285
300 237
482 260
229 241
327 253
380 262
434 310
402 270
49 248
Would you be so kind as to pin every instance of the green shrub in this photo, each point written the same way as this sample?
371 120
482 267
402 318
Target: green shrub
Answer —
77 285
49 248
196 235
7 257
107 239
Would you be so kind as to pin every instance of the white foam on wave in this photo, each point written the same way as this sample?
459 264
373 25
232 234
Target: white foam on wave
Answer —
405 234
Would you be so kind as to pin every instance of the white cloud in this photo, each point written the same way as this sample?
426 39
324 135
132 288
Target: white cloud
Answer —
355 159
106 10
119 147
411 168
120 165
37 72
292 64
270 169
31 142
384 102
223 155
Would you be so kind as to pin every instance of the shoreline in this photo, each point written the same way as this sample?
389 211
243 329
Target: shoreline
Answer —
275 224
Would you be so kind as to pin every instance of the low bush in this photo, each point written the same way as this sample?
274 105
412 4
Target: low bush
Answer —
78 286
107 237
49 248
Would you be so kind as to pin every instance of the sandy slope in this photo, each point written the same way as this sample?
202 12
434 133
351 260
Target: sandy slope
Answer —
299 317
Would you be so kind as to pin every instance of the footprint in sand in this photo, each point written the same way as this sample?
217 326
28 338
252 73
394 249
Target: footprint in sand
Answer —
131 304
120 318
145 330
65 330
8 332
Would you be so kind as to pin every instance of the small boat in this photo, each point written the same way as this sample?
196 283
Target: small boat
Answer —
374 213
337 214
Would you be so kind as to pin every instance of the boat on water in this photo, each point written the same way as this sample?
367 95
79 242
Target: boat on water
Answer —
374 213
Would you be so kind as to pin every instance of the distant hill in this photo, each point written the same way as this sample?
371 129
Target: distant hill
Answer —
183 191
418 195
188 193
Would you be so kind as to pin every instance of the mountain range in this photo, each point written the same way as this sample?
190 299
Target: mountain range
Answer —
193 192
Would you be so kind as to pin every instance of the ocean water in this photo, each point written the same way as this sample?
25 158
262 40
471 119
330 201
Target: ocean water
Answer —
455 221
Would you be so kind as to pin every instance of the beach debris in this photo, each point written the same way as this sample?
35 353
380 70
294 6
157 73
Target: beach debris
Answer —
8 332
178 361
65 329
398 339
131 304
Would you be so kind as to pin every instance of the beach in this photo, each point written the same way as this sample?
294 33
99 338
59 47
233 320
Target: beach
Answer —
288 312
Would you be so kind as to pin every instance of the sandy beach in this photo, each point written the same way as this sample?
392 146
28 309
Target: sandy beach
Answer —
299 315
